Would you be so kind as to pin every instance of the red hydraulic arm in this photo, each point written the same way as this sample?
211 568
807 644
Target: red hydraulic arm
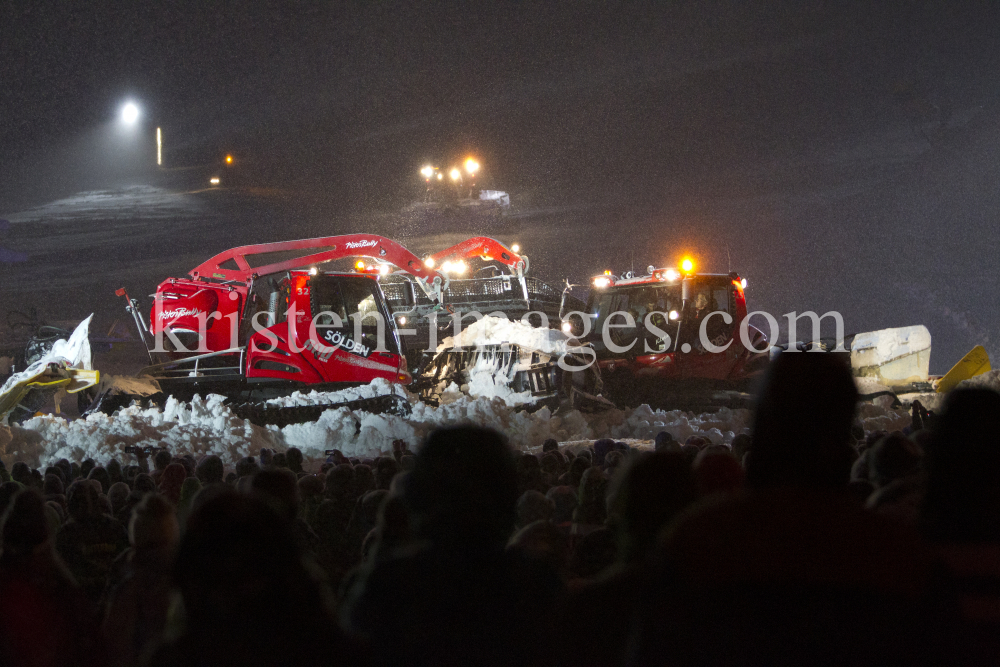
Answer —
487 248
333 247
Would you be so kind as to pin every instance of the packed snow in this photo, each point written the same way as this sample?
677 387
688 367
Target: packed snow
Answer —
486 379
206 425
498 330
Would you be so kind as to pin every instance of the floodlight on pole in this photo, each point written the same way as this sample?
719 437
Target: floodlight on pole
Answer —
130 113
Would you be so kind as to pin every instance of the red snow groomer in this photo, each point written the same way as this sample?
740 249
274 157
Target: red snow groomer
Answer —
252 330
650 334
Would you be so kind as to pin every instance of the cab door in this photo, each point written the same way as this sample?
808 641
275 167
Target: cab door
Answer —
698 362
335 350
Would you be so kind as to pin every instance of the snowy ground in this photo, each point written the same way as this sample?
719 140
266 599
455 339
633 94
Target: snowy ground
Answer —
206 426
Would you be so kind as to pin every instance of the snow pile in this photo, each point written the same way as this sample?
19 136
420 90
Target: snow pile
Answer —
487 379
497 330
378 387
201 426
987 380
207 426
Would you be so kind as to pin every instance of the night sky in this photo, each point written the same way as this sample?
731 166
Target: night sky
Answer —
843 154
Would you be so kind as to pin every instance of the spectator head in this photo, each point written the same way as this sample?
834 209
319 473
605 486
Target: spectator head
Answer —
171 479
463 488
102 477
551 462
280 461
601 449
802 423
364 480
385 470
612 461
246 466
592 508
593 553
189 489
210 470
143 484
53 486
153 524
664 442
115 473
860 469
83 500
339 481
550 445
25 525
162 459
741 445
118 496
64 465
543 542
238 562
645 496
892 457
266 457
533 506
563 503
580 465
86 467
310 486
278 487
407 461
962 463
293 458
716 470
21 473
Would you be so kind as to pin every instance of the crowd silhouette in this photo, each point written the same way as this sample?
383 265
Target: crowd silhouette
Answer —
807 541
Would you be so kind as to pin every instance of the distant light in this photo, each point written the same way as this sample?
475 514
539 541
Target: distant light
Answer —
427 171
471 166
600 282
440 176
402 319
229 159
567 328
671 274
159 147
455 174
214 180
313 271
687 266
130 113
429 262
516 248
743 283
673 315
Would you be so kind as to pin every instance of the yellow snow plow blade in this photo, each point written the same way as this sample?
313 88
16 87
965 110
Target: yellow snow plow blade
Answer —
976 362
49 380
81 379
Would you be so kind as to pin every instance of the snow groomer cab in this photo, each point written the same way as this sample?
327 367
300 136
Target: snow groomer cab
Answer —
670 332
